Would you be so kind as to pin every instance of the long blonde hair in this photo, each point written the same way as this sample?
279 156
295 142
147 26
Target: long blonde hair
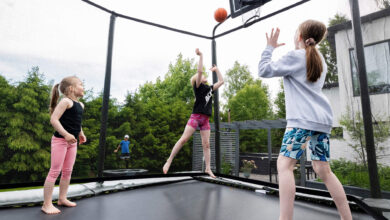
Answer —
64 87
312 33
193 78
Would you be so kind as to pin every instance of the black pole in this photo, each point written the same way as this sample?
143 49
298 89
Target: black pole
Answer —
216 101
269 145
106 98
365 100
216 110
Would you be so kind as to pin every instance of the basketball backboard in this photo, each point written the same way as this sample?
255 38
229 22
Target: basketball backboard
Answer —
239 7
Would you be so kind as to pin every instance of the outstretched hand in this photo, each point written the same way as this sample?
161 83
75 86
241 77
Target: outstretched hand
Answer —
214 68
197 51
273 39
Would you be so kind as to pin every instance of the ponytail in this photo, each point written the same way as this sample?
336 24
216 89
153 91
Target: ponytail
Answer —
63 86
312 33
313 64
55 94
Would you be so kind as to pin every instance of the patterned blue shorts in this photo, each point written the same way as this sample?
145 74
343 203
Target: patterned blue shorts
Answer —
295 141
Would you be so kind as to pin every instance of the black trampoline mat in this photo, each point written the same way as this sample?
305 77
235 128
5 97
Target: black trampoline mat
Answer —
190 200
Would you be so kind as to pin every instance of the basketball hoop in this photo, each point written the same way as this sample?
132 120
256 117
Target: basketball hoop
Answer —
250 15
249 2
249 10
252 11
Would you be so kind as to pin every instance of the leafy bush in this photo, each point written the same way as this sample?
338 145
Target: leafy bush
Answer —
226 168
355 174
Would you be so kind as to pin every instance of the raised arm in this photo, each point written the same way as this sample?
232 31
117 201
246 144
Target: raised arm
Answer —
200 67
283 67
219 76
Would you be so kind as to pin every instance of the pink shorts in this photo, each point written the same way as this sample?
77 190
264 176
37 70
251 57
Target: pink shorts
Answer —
200 120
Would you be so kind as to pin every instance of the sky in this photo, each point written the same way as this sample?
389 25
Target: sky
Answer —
70 37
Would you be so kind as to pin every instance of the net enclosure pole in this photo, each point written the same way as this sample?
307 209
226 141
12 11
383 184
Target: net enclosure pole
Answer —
106 98
365 100
216 100
216 110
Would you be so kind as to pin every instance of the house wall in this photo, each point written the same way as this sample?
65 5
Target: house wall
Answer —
334 98
342 98
373 31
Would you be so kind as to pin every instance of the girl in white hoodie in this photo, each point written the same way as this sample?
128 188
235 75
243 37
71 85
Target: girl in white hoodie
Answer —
308 113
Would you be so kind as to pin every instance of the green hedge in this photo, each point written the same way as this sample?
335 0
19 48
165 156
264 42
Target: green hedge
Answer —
355 174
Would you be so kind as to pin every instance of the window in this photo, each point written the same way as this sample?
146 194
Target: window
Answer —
377 58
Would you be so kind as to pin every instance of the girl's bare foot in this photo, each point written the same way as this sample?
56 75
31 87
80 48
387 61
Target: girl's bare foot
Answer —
210 173
166 167
50 209
66 202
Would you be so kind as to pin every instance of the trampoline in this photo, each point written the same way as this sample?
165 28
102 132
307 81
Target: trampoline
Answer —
175 196
186 196
124 172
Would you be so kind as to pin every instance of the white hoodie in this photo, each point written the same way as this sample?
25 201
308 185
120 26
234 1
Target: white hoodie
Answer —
306 106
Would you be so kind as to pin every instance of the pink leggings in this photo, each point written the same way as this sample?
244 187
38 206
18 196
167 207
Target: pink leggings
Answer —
63 156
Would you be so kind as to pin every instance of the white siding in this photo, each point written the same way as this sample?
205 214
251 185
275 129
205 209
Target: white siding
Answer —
334 98
342 97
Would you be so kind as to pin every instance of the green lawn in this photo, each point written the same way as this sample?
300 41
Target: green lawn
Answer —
21 188
27 188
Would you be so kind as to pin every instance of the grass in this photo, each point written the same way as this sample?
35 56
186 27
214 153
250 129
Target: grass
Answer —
28 188
21 188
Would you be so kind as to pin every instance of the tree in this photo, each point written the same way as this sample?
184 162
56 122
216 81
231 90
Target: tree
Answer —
277 134
156 116
330 60
280 103
7 97
251 103
383 4
247 99
353 123
337 19
27 129
329 54
236 78
176 83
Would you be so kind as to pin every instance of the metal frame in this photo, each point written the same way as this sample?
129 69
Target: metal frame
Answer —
107 82
374 180
365 100
266 124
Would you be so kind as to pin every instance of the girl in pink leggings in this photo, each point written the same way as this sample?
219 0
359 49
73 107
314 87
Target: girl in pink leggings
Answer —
200 115
66 117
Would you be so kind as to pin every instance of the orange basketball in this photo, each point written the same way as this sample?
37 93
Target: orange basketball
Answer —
220 14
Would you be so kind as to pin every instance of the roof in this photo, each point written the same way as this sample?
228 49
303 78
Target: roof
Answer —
332 30
330 85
